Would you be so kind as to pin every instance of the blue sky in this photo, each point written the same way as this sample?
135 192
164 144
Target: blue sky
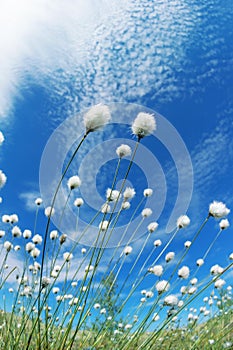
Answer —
174 57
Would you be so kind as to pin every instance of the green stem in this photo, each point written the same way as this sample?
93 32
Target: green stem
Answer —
46 236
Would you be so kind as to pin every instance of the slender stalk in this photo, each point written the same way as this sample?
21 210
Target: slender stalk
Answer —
146 261
207 251
166 246
46 236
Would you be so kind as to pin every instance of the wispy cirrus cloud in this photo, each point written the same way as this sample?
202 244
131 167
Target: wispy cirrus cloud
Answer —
212 167
29 199
33 33
74 46
14 263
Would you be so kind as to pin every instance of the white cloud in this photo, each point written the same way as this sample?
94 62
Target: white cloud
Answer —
211 170
29 199
229 275
91 51
32 33
14 261
211 156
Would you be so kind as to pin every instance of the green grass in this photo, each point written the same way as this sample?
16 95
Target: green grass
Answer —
194 336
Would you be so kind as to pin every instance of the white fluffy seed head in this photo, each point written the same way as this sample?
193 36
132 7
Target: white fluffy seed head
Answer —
200 262
112 195
194 281
89 268
187 244
202 309
67 256
53 234
14 218
49 211
183 289
152 226
171 300
103 226
8 246
2 233
96 117
146 212
169 256
149 294
27 234
37 239
183 272
190 316
180 303
73 301
55 290
183 221
128 326
144 124
103 311
63 238
157 270
54 274
127 250
45 282
78 202
123 151
157 243
6 218
218 210
125 205
162 286
216 269
29 247
74 182
219 283
129 193
38 201
105 208
16 232
37 266
224 223
35 253
191 290
147 192
57 268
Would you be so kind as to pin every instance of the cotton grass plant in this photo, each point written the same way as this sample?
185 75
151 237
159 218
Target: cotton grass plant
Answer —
70 296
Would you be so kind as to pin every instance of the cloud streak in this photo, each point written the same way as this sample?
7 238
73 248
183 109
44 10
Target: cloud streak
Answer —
210 160
93 61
